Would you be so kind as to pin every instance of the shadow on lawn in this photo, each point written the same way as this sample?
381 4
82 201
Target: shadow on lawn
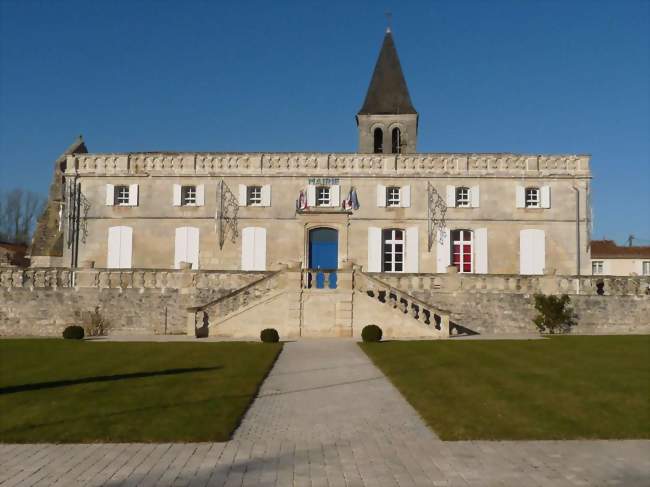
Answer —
101 378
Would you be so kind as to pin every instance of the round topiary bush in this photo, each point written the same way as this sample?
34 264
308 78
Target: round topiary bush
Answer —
371 333
74 332
270 335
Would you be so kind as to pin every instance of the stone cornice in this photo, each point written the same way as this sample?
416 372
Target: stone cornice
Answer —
339 164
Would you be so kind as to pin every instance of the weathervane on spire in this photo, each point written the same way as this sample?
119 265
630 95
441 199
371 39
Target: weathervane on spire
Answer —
389 20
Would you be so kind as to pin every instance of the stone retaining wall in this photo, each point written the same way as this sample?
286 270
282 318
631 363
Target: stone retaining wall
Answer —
41 302
504 304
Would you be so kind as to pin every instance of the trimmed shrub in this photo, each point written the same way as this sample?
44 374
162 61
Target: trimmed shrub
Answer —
74 332
555 314
371 333
270 335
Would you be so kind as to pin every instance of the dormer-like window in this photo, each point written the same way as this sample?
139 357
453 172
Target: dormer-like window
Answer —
323 196
121 196
378 145
254 195
392 196
397 141
188 195
462 197
533 199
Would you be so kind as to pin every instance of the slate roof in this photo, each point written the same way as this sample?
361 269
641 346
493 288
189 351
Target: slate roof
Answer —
387 93
607 249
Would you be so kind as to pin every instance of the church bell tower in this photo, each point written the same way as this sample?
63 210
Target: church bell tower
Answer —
387 121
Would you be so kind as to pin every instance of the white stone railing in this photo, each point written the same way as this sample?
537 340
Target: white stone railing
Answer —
516 284
50 277
126 278
206 164
384 293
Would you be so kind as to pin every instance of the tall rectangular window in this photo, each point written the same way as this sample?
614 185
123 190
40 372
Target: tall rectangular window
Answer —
393 250
462 242
646 268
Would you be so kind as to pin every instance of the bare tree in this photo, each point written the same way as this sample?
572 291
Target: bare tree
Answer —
19 211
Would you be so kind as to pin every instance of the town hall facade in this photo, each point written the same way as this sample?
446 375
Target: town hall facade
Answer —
385 210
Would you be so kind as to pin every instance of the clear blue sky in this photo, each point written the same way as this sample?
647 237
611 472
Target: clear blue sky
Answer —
485 76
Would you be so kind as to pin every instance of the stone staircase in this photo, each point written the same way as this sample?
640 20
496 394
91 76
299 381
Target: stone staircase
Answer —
306 302
399 314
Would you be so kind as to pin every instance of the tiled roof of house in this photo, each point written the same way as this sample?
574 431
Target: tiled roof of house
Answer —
608 249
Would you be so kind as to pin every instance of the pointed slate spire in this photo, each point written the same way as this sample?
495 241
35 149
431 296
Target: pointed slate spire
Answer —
387 93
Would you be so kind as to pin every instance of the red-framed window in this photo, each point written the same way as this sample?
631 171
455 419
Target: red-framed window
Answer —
462 247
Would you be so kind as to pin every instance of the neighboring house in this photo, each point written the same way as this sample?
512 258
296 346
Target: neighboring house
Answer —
13 254
381 207
607 258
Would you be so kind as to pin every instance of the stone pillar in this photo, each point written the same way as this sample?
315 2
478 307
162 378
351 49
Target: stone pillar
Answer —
191 322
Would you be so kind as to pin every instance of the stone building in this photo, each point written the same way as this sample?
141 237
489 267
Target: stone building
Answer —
386 207
610 259
385 211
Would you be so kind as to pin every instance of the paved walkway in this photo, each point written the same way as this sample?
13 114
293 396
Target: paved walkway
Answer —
327 417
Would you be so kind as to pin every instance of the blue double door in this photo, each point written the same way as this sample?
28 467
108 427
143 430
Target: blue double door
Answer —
324 254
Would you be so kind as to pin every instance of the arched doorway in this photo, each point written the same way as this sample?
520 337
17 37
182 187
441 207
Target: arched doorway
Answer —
324 255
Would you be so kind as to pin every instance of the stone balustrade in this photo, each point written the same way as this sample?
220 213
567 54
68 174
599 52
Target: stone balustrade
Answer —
180 279
35 278
240 298
339 164
126 279
516 284
418 310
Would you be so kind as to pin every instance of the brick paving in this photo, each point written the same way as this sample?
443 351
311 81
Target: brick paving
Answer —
327 417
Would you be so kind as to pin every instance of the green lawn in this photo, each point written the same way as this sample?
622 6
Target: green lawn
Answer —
566 387
76 391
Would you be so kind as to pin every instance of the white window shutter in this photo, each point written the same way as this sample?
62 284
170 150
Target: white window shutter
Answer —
126 247
113 249
532 251
451 196
404 196
381 196
259 259
443 252
192 247
180 247
480 251
374 249
335 195
200 195
176 201
545 196
248 249
475 196
110 195
266 195
242 195
311 195
520 197
133 195
412 250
